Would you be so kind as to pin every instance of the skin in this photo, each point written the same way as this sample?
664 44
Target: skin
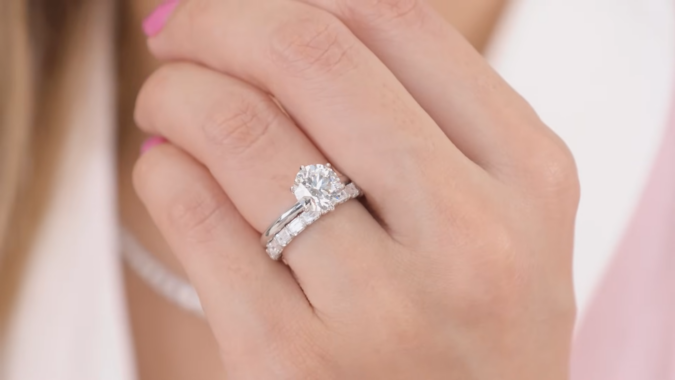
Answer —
485 252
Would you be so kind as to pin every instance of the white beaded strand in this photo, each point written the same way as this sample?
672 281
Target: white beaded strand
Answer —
157 276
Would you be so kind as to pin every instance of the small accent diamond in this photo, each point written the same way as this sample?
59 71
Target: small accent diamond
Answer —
351 190
274 249
309 217
295 226
283 237
342 197
276 255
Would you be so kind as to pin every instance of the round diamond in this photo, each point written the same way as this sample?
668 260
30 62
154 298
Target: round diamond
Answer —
321 184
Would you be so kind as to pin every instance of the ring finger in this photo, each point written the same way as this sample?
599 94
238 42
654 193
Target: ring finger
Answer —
254 150
245 292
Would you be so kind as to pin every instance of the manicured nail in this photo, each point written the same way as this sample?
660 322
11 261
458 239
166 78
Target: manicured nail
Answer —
154 23
152 142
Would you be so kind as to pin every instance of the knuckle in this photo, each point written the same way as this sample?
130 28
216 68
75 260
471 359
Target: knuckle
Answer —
503 281
198 214
495 279
374 12
505 275
313 46
557 172
238 125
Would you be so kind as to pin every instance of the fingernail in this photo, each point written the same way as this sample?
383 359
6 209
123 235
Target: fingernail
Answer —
152 142
154 23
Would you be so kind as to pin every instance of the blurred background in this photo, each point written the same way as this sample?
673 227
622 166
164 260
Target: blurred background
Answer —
600 73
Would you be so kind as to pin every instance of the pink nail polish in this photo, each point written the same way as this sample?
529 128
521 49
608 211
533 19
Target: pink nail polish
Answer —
152 142
154 23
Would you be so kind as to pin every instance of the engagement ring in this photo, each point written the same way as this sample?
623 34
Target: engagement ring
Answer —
318 190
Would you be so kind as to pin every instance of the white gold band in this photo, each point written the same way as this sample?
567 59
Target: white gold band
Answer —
284 220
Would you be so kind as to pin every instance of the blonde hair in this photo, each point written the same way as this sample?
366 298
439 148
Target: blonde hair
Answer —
37 38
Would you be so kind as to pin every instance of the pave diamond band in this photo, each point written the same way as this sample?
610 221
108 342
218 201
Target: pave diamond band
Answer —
318 190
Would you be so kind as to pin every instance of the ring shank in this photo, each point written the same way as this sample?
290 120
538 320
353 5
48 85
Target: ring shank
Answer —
283 221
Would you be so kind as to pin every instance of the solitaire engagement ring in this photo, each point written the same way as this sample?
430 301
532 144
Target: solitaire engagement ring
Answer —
318 190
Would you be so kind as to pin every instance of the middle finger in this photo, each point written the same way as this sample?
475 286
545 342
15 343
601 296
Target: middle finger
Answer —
346 100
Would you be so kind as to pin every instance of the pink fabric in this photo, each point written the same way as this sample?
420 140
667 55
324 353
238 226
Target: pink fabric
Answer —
628 332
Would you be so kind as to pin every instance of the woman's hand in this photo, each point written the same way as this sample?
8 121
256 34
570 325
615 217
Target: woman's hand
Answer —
460 265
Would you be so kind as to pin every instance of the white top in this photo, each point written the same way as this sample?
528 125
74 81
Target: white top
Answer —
599 72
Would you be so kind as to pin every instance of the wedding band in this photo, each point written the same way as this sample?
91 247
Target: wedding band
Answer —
284 220
318 189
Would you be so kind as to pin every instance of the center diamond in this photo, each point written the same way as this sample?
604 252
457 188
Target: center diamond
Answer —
319 183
